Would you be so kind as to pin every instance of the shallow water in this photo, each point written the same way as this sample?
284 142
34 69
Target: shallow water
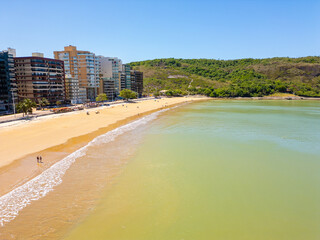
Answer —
210 170
218 170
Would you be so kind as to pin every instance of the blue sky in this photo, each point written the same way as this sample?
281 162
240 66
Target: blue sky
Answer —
146 29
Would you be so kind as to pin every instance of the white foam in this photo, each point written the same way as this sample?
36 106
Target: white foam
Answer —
13 202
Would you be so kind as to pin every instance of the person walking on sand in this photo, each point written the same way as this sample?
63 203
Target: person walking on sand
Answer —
40 159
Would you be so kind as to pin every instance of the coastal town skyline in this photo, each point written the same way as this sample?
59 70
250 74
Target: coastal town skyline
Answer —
73 76
141 30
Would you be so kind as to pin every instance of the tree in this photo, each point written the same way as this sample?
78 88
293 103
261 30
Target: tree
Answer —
207 92
156 94
43 102
26 106
128 94
101 97
58 102
169 93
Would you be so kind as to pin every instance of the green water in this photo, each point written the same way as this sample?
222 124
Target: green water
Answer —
218 170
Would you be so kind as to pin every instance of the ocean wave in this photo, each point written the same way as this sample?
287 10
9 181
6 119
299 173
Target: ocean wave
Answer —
13 202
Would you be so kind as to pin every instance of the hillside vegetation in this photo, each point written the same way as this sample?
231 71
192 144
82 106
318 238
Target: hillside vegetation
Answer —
232 78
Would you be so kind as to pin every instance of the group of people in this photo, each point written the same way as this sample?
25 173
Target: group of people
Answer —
97 112
39 159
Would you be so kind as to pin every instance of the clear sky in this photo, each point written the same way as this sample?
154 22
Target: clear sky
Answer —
147 29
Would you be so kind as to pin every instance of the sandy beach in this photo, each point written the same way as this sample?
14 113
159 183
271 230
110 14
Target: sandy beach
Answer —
23 142
23 139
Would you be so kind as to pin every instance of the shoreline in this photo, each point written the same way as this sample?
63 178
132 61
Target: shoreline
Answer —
51 178
34 117
285 98
20 167
276 98
31 137
17 171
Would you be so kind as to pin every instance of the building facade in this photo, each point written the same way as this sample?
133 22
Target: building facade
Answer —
108 88
137 82
109 73
8 86
95 74
84 67
38 77
117 76
126 69
74 93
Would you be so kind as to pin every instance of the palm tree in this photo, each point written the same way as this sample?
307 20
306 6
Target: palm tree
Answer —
43 102
26 106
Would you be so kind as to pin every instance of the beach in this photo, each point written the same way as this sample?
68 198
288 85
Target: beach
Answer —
23 142
32 137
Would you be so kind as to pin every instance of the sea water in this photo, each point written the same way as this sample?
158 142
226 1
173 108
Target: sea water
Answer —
218 170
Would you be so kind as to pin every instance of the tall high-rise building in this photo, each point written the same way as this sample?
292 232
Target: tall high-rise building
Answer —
8 86
38 77
109 73
116 68
84 67
137 82
126 69
108 88
74 93
124 77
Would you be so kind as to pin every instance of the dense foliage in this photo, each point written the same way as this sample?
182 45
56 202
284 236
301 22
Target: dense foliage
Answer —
128 94
101 97
233 78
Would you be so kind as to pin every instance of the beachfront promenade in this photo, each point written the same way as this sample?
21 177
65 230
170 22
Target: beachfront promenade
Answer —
19 116
14 118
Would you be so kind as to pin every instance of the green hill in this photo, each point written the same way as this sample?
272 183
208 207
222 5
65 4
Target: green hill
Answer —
232 78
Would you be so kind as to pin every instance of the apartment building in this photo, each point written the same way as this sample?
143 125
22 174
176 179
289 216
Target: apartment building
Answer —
108 88
8 86
137 82
109 74
119 77
124 78
84 67
74 94
38 77
126 69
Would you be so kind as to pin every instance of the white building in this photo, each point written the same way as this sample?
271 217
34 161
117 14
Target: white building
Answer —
109 73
